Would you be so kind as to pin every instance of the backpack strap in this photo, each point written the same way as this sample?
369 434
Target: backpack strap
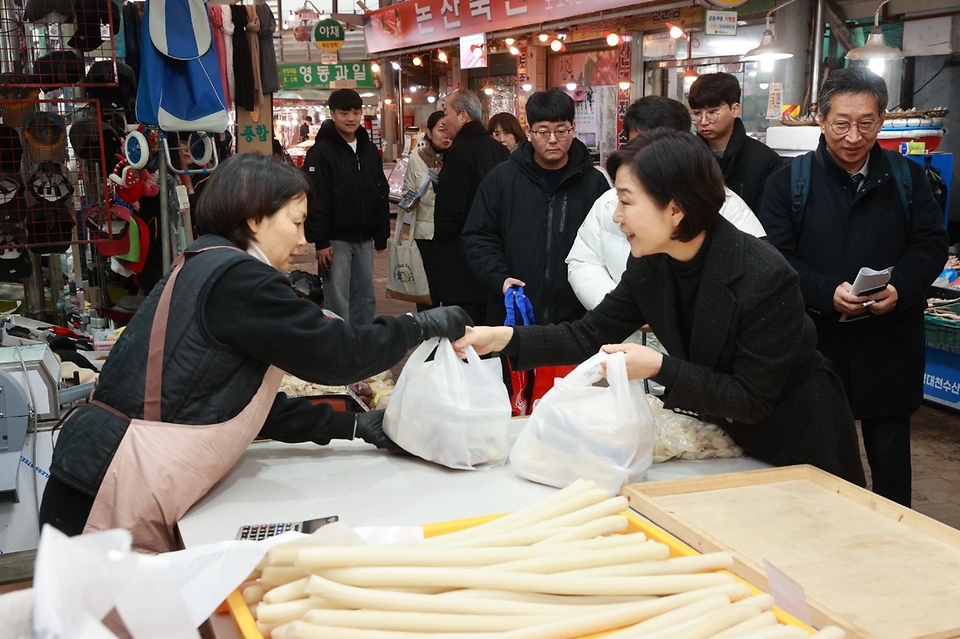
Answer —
900 167
800 169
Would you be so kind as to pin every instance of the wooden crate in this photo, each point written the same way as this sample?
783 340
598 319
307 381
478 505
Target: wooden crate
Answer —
867 564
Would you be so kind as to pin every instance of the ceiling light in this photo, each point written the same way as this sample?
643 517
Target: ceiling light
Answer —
417 61
407 98
488 88
527 86
431 96
571 86
561 34
509 41
395 65
556 45
768 49
675 31
613 39
375 67
388 99
764 86
441 55
514 50
543 37
413 88
875 48
689 76
624 85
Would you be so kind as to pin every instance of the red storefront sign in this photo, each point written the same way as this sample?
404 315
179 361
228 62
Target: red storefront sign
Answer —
416 22
623 95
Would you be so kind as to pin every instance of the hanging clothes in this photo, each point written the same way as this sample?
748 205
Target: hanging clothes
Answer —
132 19
269 75
227 18
253 36
216 21
242 62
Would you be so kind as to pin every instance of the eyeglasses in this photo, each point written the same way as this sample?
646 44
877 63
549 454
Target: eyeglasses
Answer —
842 127
543 134
712 115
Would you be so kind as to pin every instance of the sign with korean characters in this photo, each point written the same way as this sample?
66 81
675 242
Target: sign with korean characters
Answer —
721 23
416 22
253 132
328 34
346 75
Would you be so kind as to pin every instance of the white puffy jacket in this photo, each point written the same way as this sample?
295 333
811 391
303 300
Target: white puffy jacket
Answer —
417 171
599 254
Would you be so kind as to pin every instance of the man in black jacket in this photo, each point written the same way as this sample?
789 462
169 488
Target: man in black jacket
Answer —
745 162
350 212
525 217
471 157
854 217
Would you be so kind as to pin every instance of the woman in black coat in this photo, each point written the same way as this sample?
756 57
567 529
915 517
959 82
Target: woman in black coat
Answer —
726 306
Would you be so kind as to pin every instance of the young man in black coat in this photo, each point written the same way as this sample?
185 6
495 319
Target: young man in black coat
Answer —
745 162
525 217
350 212
854 217
471 157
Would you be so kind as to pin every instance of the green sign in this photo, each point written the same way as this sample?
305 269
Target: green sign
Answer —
346 75
328 34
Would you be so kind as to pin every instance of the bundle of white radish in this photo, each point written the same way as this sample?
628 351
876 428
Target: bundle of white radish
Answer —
557 569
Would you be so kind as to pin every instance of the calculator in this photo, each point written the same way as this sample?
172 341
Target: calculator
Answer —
259 532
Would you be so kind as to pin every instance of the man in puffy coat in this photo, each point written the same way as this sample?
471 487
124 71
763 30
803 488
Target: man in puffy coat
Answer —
526 213
350 212
599 254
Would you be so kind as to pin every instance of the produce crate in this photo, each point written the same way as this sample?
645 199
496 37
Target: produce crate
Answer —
248 627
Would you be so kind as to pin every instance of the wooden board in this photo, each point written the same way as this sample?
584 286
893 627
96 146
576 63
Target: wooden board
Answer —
867 564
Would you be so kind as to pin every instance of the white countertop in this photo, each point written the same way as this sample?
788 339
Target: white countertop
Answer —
276 482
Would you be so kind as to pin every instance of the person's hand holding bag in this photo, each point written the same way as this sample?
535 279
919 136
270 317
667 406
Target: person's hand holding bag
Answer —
370 429
642 361
450 322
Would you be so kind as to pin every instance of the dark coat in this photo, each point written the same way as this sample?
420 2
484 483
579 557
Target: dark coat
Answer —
231 317
747 164
472 156
519 229
752 366
350 192
880 359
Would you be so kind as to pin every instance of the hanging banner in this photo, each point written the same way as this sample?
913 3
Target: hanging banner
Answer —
347 75
722 23
416 22
625 70
775 101
328 34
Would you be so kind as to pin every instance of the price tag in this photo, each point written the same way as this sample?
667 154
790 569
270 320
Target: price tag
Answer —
787 594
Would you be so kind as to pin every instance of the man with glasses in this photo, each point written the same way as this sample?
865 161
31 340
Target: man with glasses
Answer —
854 217
746 163
528 209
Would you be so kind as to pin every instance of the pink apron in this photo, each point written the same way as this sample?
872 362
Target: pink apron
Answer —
161 469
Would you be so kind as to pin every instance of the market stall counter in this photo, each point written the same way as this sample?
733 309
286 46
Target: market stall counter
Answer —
276 482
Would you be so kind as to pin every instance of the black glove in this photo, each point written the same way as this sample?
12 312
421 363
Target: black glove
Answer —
370 430
446 321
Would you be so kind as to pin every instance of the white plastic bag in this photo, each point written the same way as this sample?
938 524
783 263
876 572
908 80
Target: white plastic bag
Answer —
448 411
582 430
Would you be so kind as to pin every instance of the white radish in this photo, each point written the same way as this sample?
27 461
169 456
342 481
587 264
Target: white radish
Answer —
603 526
672 618
611 506
522 537
647 552
287 592
253 594
610 541
830 632
362 598
290 610
323 557
776 632
522 582
274 576
533 597
304 630
717 621
422 621
626 616
764 620
763 601
673 566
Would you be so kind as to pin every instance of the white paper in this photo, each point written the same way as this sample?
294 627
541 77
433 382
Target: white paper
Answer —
867 280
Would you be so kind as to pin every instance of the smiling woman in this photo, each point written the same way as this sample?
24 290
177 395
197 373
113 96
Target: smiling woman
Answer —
165 424
725 305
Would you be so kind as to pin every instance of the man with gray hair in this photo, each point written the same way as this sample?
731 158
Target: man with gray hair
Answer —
473 154
850 205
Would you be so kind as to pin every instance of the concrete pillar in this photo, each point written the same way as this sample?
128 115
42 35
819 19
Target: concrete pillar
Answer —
793 24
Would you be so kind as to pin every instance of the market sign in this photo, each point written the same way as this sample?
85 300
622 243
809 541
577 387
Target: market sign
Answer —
346 75
328 34
722 23
416 22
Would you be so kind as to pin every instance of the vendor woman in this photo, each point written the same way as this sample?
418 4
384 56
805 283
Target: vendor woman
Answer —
194 378
726 307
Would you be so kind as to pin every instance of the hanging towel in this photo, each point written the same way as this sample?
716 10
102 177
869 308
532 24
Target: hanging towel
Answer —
269 75
227 17
253 36
242 62
216 21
